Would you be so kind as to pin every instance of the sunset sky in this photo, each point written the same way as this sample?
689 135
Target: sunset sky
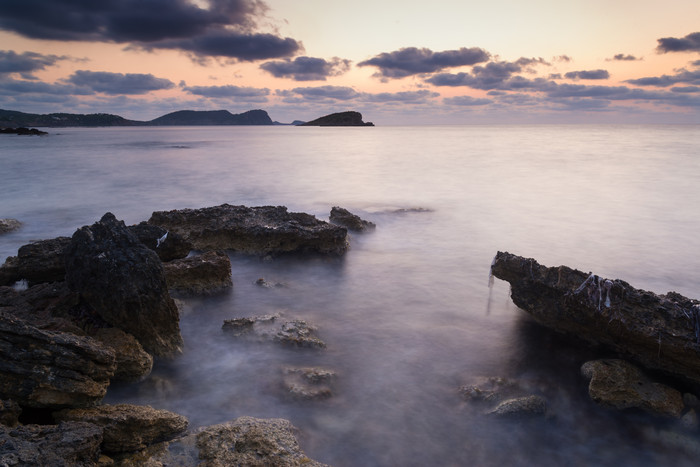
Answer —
397 62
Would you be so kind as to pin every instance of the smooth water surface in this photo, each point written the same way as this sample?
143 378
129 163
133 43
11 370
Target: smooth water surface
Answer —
407 313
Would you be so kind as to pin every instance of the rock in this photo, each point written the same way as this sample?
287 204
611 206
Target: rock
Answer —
22 131
49 307
689 420
203 274
51 369
308 383
37 262
168 245
691 400
620 385
347 219
261 282
9 225
294 333
261 230
66 444
124 283
127 427
521 407
491 390
349 118
661 332
133 363
9 413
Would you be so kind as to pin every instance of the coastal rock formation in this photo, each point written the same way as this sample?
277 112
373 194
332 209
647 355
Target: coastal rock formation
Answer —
620 385
207 273
128 427
9 225
168 245
660 332
51 369
133 363
36 262
308 383
213 117
257 230
294 333
22 131
347 219
349 118
123 282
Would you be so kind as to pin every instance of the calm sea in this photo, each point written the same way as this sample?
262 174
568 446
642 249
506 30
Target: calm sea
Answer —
407 314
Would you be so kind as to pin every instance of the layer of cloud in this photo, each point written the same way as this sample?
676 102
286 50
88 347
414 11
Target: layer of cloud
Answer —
118 83
623 58
494 75
227 28
414 61
587 74
230 92
26 63
682 76
307 68
689 43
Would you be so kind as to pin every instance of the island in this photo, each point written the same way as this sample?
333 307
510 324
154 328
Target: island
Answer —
349 118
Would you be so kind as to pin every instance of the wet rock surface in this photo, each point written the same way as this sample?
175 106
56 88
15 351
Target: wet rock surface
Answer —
123 282
9 225
293 333
660 332
342 216
620 385
503 397
203 274
308 383
520 407
256 230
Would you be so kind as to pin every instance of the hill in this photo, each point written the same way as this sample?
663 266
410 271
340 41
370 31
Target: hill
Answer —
213 117
349 118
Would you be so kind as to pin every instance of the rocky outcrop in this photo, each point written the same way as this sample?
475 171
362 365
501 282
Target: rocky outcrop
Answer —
123 282
22 131
51 369
127 427
203 274
308 383
503 397
661 332
620 385
9 225
342 216
36 262
293 333
257 230
67 444
349 118
168 245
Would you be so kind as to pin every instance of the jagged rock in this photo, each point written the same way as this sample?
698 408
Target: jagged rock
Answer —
123 281
67 444
51 369
44 306
133 363
207 273
168 245
9 413
36 262
257 230
521 407
660 332
308 383
620 385
347 219
294 333
8 225
127 427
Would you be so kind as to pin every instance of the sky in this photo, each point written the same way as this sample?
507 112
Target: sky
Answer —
396 62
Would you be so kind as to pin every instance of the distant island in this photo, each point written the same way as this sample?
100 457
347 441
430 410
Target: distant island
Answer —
349 118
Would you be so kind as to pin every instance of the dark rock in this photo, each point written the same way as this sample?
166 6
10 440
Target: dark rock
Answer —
491 390
51 369
213 117
9 225
503 397
124 283
203 274
70 444
168 245
22 131
133 363
349 118
521 407
265 284
347 219
41 261
9 413
661 332
257 230
127 427
618 384
308 383
294 333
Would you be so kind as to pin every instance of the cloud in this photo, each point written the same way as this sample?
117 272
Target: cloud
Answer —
588 74
118 83
413 61
227 28
342 93
562 58
26 63
682 76
413 97
689 43
238 93
466 101
623 58
494 75
307 68
328 94
24 88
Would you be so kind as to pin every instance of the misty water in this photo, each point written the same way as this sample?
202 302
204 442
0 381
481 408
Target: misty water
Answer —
407 314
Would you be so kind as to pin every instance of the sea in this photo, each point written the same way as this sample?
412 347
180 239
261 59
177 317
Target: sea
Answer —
407 314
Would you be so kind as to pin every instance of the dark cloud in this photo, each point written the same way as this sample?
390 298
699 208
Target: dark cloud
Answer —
623 58
466 101
413 61
494 75
23 88
563 58
524 61
682 76
342 93
26 63
118 83
238 93
689 43
684 89
588 74
227 28
307 68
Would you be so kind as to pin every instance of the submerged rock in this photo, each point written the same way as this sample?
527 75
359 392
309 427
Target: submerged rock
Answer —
203 274
620 385
661 332
123 281
308 383
503 397
257 230
347 219
520 407
294 333
9 225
